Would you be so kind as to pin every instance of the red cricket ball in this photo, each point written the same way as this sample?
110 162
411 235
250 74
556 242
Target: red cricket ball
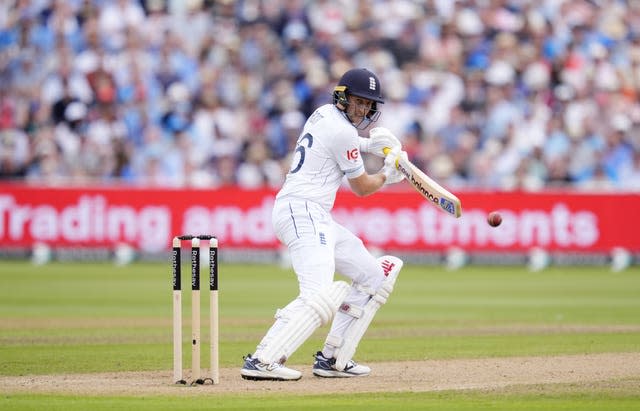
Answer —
494 219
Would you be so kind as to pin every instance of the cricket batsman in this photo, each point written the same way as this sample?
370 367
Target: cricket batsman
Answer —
329 148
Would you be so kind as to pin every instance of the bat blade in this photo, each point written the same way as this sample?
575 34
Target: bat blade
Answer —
429 188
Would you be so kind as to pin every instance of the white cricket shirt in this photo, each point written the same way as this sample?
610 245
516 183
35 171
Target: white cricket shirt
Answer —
327 150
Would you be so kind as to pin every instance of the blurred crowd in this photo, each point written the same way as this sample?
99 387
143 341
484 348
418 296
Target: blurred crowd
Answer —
490 94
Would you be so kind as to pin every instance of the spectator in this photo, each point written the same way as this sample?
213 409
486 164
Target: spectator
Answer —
510 95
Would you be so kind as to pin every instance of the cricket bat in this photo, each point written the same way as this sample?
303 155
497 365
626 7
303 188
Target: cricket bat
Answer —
428 188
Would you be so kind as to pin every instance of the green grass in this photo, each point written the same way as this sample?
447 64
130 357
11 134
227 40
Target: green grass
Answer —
574 398
82 317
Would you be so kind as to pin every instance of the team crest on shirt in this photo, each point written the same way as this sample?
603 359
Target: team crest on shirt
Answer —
353 154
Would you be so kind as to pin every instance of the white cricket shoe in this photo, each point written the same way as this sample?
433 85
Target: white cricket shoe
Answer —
325 367
253 369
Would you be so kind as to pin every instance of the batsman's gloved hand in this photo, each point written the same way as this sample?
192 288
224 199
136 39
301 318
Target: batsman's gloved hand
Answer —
390 168
379 139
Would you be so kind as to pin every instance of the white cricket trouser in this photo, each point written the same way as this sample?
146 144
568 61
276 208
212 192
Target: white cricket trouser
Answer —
319 247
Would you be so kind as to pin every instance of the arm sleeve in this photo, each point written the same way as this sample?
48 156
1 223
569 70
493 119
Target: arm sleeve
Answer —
346 151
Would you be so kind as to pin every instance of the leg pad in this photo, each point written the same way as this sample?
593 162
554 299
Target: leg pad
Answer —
347 344
316 311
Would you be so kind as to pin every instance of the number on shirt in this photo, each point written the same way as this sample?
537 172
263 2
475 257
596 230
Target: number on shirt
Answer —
301 149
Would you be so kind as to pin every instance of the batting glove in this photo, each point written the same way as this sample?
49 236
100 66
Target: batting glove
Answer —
390 168
379 139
